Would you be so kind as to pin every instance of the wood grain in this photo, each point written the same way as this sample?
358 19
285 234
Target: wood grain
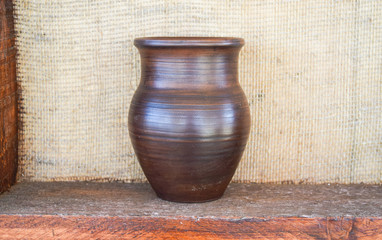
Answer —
8 97
83 227
189 119
63 210
239 201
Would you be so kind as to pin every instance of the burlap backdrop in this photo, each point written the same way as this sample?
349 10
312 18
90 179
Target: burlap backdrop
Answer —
311 71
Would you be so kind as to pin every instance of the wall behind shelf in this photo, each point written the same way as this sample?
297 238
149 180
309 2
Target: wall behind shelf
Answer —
311 71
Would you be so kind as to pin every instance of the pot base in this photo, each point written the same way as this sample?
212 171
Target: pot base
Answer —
188 200
196 192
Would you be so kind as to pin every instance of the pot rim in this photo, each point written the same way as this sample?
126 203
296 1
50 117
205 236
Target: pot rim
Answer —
189 42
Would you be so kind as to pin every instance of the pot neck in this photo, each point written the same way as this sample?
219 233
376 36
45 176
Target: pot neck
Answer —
189 67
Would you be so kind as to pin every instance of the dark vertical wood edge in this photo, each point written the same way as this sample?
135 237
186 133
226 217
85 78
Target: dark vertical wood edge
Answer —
8 97
82 227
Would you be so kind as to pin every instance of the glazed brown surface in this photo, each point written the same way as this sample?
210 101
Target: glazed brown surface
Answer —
189 118
8 97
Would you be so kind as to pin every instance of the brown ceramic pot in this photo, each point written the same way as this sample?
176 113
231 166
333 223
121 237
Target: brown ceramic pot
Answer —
189 118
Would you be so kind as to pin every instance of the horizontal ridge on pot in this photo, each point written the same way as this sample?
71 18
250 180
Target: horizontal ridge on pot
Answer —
188 42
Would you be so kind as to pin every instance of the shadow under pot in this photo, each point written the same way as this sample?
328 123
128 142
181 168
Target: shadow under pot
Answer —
189 119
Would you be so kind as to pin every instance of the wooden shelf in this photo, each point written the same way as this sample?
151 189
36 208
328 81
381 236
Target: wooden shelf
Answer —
124 211
117 210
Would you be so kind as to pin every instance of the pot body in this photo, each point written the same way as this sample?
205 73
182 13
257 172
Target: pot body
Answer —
189 119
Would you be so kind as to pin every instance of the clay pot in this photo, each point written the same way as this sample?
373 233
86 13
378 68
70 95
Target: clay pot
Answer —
189 118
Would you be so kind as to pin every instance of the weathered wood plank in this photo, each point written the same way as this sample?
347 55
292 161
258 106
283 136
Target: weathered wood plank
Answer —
82 227
8 97
240 200
63 210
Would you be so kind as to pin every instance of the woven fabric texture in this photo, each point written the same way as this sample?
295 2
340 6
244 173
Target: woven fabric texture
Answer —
311 71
